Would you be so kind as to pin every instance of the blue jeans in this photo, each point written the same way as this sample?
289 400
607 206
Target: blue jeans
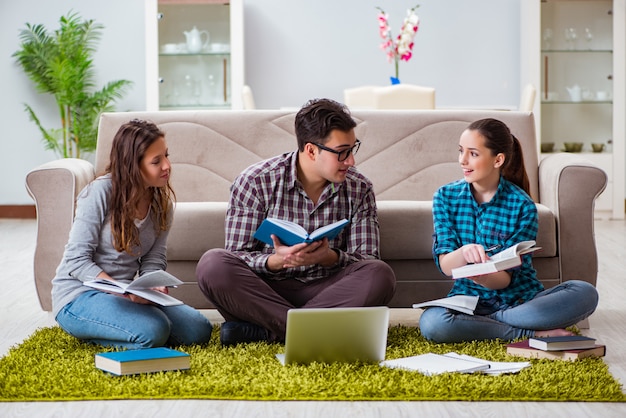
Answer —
558 307
109 320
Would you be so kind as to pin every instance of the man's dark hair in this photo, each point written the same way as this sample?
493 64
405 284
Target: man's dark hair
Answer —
318 118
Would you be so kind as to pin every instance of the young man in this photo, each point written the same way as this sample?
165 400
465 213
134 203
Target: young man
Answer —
253 284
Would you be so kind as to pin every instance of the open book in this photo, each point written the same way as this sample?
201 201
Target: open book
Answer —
290 233
142 286
504 260
432 364
460 303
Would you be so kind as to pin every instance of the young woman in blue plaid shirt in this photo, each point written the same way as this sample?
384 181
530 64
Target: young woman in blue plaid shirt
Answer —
491 208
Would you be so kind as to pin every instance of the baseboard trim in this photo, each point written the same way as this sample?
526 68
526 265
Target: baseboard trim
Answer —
18 211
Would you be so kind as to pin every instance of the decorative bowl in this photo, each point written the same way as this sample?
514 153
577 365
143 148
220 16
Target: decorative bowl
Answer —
573 146
547 146
597 147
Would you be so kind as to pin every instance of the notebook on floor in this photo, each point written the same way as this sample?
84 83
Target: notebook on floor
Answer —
328 335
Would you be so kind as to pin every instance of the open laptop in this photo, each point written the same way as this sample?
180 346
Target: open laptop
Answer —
328 335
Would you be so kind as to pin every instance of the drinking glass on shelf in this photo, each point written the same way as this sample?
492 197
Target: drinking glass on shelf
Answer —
547 38
588 37
570 38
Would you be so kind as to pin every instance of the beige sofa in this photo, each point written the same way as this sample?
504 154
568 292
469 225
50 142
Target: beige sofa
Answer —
407 155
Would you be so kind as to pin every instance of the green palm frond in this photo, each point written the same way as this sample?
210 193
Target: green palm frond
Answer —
61 64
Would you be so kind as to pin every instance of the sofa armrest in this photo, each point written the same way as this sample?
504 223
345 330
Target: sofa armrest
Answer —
569 185
54 187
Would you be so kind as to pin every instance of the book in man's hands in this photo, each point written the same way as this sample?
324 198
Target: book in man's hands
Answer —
523 349
504 260
569 342
142 286
148 360
461 303
290 233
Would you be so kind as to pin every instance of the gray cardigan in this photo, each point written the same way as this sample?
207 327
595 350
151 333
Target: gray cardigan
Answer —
89 250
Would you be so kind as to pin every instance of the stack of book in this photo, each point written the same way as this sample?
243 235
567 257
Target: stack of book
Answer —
557 348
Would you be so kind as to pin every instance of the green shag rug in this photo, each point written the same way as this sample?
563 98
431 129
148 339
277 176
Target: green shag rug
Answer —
53 366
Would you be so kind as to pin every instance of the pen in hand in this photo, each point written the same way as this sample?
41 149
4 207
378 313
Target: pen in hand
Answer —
492 248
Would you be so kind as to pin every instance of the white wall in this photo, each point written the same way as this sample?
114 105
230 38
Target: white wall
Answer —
120 55
295 50
467 49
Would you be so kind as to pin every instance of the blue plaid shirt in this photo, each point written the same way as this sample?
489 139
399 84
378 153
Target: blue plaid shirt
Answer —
271 189
509 218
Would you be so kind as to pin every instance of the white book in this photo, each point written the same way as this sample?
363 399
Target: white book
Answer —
142 286
495 367
461 303
504 260
432 364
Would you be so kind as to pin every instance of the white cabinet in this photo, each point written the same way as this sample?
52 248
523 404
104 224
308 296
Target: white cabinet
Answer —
575 53
194 54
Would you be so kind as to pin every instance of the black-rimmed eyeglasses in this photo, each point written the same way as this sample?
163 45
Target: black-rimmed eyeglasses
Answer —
343 154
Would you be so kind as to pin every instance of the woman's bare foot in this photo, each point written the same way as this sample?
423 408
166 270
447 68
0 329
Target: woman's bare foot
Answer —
559 332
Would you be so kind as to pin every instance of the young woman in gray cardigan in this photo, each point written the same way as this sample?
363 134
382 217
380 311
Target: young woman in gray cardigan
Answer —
120 230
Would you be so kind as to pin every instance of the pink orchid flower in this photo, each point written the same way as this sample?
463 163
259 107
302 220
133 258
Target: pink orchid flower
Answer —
400 49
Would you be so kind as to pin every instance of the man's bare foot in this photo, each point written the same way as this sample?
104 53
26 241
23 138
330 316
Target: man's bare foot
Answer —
559 332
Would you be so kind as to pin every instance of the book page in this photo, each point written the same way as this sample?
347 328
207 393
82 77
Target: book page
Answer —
461 303
515 250
107 285
289 226
157 297
432 364
157 278
495 367
320 232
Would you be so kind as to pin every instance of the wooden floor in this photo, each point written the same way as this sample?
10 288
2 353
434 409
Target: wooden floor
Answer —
20 315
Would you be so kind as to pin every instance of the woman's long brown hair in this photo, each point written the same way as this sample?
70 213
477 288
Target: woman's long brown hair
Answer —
499 139
129 147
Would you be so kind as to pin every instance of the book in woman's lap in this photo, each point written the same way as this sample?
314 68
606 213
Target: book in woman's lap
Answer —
142 286
504 260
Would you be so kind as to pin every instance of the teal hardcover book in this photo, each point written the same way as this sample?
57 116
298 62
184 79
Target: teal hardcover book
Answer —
290 233
146 360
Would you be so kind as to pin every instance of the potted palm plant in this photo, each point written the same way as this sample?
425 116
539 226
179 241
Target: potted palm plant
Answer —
61 64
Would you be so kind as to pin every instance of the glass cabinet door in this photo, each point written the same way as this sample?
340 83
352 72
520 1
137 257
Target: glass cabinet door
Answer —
194 56
576 76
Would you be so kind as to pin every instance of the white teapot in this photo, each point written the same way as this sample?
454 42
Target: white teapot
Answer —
575 93
194 40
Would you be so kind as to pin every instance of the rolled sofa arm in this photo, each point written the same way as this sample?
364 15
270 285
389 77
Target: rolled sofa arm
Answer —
569 186
54 187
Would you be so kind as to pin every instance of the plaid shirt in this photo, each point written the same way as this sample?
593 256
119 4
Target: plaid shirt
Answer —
271 188
510 217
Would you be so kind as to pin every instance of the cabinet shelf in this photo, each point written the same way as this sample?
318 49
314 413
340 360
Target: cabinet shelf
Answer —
585 153
199 54
582 102
577 51
207 106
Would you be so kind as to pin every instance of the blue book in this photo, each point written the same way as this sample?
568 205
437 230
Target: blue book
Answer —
146 360
290 233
